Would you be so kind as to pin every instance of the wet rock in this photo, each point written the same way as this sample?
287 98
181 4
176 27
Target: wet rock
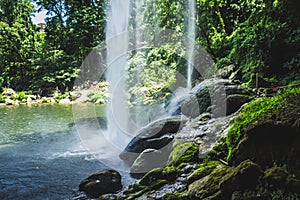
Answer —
150 159
218 96
244 176
208 186
108 197
156 135
103 182
235 102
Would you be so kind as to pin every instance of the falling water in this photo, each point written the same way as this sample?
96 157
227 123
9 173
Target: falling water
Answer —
191 33
117 41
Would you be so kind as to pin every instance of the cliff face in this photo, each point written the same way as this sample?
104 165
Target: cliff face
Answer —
256 157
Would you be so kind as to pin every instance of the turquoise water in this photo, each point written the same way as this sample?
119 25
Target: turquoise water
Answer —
41 153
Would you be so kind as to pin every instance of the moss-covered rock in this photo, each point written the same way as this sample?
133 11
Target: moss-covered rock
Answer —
267 131
244 176
183 153
202 171
209 185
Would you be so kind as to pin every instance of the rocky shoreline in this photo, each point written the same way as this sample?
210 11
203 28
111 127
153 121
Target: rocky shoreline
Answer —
94 94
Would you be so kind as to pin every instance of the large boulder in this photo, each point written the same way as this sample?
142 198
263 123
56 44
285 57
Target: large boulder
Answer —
103 182
156 135
150 159
223 96
244 176
208 187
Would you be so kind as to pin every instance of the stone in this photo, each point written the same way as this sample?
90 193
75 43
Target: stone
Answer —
65 101
103 182
244 176
218 96
31 97
235 102
156 135
75 95
209 185
150 159
265 144
8 92
108 197
9 102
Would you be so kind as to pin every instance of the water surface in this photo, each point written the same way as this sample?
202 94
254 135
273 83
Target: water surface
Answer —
41 153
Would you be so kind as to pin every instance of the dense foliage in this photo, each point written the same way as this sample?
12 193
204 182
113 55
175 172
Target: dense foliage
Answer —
32 58
258 36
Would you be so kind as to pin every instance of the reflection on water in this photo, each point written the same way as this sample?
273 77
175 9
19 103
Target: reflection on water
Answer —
41 154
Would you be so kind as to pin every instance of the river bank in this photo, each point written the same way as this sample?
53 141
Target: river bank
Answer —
94 93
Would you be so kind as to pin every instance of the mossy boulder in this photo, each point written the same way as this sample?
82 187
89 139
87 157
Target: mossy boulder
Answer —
208 186
202 171
152 180
267 132
243 177
268 143
186 152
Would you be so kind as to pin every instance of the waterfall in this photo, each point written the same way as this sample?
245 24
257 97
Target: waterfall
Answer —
191 36
121 123
123 14
117 42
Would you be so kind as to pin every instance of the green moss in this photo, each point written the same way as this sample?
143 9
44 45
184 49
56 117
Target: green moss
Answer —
258 111
157 184
183 153
209 185
151 176
219 151
203 170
